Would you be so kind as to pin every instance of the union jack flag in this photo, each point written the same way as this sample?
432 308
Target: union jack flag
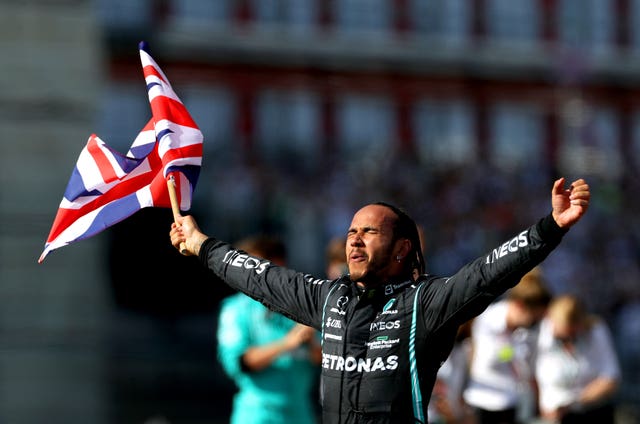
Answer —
106 186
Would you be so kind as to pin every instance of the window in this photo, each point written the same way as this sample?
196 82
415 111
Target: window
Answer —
124 14
517 135
288 124
449 19
214 111
202 13
586 24
445 132
589 140
353 16
299 16
366 124
634 23
513 20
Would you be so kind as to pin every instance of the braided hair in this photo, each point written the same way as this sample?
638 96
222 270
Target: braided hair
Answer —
405 227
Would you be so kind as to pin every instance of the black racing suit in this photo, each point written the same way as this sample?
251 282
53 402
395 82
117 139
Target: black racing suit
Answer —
382 347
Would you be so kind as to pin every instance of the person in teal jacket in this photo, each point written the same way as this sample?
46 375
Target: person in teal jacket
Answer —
273 361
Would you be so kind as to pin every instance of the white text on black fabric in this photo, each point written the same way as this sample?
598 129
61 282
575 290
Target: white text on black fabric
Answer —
339 363
242 260
508 247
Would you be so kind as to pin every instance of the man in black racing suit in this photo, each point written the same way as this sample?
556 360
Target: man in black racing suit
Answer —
386 326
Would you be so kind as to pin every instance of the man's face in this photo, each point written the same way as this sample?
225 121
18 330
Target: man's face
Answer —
370 247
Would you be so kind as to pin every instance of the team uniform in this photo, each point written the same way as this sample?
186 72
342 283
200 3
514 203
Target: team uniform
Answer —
382 347
270 395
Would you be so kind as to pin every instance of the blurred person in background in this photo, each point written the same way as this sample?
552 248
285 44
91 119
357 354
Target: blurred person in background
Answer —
501 385
336 258
447 405
627 333
273 360
577 368
387 326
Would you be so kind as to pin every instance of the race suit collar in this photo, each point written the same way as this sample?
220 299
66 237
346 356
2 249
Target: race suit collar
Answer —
383 290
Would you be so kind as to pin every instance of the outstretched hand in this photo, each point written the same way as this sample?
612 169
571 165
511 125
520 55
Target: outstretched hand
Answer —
569 204
185 230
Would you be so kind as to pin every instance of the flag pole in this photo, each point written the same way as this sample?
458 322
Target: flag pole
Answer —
175 207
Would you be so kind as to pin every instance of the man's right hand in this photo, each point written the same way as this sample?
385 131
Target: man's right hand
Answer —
185 230
569 205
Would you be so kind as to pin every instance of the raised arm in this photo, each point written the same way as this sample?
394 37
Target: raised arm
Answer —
294 294
469 291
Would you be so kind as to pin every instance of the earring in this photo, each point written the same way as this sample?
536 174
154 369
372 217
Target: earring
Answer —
398 258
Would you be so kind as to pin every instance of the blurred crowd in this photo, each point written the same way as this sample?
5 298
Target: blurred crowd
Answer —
530 358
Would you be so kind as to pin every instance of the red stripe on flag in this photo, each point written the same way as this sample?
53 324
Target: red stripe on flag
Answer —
192 151
150 70
101 160
166 108
66 217
160 192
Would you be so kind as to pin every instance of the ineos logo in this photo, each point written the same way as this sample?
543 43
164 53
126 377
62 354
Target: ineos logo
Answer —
384 325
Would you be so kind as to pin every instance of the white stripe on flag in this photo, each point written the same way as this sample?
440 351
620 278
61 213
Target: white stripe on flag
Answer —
160 90
145 137
73 231
144 197
180 136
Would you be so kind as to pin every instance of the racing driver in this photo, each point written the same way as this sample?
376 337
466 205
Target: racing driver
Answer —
387 325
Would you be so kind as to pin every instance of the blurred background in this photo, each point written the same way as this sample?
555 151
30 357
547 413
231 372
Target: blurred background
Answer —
461 111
